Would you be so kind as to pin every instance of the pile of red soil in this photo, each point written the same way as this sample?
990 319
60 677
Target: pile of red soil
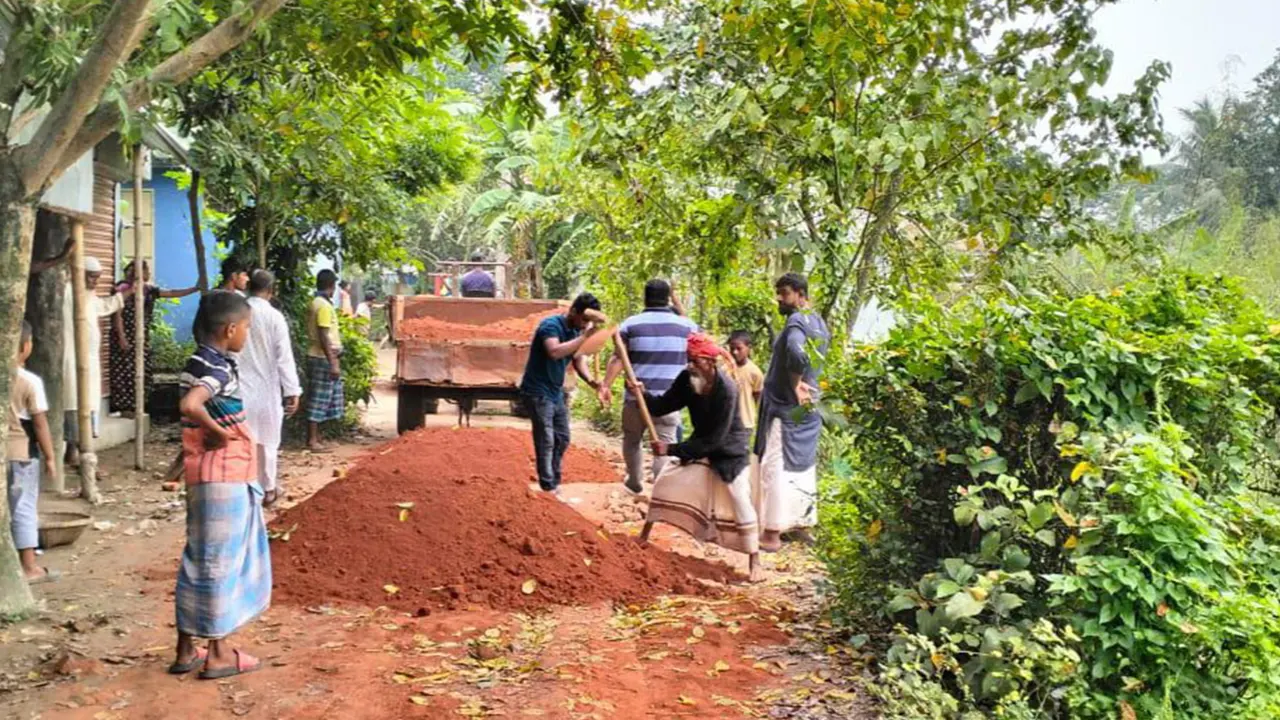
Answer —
519 329
476 535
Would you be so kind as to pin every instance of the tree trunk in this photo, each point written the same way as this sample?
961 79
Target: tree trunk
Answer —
45 292
139 317
84 402
17 230
197 231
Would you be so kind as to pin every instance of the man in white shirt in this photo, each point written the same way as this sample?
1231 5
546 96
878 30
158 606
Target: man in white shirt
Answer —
365 309
267 373
98 307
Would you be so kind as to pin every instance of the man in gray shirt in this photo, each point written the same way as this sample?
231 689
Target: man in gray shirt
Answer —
789 425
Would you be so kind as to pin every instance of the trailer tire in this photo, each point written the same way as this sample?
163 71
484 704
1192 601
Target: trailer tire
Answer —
411 408
520 409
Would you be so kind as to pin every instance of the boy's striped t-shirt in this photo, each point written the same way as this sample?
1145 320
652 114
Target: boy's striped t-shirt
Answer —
237 460
657 340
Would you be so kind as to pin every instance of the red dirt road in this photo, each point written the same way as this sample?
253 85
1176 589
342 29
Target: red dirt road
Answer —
107 632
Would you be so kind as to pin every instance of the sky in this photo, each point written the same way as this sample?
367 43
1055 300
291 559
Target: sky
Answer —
1211 44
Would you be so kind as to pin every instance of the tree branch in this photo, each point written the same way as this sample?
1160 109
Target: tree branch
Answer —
13 29
121 31
178 68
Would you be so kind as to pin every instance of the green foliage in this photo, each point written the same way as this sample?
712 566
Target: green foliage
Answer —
1069 497
167 354
867 137
604 419
359 360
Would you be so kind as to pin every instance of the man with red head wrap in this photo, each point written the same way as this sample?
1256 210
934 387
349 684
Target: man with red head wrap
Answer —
707 490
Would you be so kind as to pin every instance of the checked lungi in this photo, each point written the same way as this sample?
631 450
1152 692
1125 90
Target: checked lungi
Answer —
693 498
326 397
225 578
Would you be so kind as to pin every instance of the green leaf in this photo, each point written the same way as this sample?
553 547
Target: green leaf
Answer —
959 570
994 465
900 602
963 605
1029 391
1048 537
1007 602
946 589
990 545
515 162
1040 515
1015 559
965 514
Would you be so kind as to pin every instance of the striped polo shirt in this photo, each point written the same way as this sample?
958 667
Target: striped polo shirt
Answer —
656 342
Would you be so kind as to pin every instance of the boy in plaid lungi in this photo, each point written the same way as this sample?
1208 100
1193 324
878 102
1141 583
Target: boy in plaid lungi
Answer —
326 397
225 578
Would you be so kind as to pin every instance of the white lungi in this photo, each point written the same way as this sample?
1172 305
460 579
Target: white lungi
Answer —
788 500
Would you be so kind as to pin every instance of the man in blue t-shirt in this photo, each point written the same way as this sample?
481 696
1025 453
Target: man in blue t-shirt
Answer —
555 345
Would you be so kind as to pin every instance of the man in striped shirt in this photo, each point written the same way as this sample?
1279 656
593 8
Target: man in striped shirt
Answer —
656 340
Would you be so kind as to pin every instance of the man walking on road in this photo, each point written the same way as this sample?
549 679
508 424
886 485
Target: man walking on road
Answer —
555 345
268 373
327 400
789 426
655 342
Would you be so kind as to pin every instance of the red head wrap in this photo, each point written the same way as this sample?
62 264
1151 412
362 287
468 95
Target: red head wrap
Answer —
702 346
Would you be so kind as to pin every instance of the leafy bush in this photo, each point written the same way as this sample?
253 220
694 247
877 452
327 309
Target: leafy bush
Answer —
167 354
607 420
1058 500
359 359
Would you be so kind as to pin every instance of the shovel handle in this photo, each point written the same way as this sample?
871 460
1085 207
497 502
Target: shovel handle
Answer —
621 347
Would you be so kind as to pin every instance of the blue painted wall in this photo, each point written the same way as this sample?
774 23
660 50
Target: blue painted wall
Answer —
175 263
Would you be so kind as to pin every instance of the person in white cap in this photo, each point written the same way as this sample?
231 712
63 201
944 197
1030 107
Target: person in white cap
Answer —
98 307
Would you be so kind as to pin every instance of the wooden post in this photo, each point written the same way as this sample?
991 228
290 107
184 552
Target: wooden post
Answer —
139 316
80 300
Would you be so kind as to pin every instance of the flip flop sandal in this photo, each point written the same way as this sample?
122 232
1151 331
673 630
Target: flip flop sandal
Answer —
196 663
245 663
48 577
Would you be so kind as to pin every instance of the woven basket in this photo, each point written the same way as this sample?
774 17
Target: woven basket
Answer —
62 528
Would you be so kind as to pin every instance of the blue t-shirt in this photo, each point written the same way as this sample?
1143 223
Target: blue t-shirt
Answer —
544 375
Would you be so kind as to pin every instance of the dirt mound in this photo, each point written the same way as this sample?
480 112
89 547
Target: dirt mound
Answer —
518 329
475 535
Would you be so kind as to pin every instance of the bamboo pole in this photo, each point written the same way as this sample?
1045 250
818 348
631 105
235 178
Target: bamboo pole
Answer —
621 348
80 300
139 316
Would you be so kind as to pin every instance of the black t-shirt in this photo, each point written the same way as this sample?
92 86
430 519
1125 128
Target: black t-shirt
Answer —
719 436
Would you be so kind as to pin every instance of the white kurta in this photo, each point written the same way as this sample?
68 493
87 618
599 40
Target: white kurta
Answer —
268 374
99 307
